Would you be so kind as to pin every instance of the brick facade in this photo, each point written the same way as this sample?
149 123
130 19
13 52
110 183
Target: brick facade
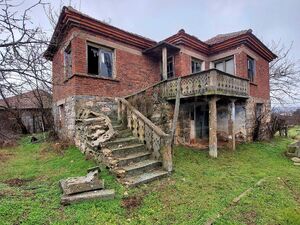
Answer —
134 70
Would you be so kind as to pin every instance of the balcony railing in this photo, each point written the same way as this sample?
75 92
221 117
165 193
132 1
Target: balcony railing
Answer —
209 82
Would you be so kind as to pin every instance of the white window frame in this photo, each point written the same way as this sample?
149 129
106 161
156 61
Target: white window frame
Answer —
201 64
223 60
113 59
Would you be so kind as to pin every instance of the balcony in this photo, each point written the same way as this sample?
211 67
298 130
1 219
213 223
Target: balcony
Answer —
209 82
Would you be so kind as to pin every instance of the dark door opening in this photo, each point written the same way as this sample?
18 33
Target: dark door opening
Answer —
201 121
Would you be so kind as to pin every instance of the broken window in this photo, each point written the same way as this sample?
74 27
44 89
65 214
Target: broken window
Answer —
170 67
68 61
226 65
251 68
100 61
196 65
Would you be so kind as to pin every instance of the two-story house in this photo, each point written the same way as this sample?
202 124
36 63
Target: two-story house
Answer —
224 80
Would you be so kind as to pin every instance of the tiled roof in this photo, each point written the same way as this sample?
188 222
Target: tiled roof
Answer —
223 37
28 100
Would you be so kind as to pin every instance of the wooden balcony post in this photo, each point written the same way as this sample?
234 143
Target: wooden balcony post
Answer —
164 64
231 124
213 145
119 110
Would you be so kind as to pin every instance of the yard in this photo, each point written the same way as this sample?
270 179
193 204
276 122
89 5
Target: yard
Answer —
199 189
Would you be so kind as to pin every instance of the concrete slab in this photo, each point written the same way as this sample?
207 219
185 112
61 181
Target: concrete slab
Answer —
81 184
90 195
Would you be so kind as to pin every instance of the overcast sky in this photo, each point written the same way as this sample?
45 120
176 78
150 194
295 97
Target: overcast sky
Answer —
270 20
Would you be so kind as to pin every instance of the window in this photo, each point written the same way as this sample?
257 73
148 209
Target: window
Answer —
196 65
251 68
170 67
225 65
100 61
68 61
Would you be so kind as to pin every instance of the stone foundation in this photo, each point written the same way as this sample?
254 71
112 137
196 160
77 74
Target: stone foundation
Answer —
65 111
162 114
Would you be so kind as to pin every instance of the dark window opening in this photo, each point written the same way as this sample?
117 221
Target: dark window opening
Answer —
196 65
100 61
68 61
170 67
251 69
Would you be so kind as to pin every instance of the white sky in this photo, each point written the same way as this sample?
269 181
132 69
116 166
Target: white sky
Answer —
157 19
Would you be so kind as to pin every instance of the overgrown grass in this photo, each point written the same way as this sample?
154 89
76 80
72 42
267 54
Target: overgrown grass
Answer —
199 188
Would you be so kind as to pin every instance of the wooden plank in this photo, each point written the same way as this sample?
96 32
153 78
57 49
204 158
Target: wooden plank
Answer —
176 110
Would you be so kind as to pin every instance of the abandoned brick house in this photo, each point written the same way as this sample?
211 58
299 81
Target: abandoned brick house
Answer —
223 85
29 107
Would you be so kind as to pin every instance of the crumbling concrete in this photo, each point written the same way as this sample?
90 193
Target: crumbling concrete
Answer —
90 195
77 189
81 184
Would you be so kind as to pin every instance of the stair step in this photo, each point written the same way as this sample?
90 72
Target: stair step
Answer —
119 127
116 122
145 178
128 150
122 142
141 167
124 133
133 158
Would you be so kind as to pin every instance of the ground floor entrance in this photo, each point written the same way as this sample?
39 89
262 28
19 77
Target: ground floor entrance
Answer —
201 121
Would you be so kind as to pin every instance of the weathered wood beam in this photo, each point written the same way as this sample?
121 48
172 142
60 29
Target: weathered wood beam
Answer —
231 124
176 110
164 64
213 145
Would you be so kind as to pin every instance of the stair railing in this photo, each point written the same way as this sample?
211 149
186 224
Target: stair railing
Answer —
155 139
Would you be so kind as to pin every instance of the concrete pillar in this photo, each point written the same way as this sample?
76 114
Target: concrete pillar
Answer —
213 145
164 64
231 124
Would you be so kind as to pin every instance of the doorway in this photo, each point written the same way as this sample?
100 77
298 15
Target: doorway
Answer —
201 121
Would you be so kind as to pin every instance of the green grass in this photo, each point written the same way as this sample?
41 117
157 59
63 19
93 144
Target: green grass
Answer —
199 188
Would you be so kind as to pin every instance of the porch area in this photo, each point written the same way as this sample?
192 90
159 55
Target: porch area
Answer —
201 108
211 106
210 122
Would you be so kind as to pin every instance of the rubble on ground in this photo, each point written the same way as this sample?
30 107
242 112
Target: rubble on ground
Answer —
87 187
294 152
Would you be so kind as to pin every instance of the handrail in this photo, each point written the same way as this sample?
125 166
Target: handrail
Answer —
157 129
145 89
156 140
219 74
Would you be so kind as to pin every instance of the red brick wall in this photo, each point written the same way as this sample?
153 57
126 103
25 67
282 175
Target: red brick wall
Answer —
61 89
261 85
182 64
133 72
136 71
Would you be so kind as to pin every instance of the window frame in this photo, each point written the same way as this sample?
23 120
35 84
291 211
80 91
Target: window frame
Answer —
173 67
223 61
68 53
113 58
196 59
252 78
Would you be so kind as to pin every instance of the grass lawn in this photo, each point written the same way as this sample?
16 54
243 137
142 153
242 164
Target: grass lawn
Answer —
199 188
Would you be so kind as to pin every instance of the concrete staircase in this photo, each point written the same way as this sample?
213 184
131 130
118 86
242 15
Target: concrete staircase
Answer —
135 165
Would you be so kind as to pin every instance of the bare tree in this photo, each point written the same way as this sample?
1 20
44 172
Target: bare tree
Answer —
22 65
284 74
